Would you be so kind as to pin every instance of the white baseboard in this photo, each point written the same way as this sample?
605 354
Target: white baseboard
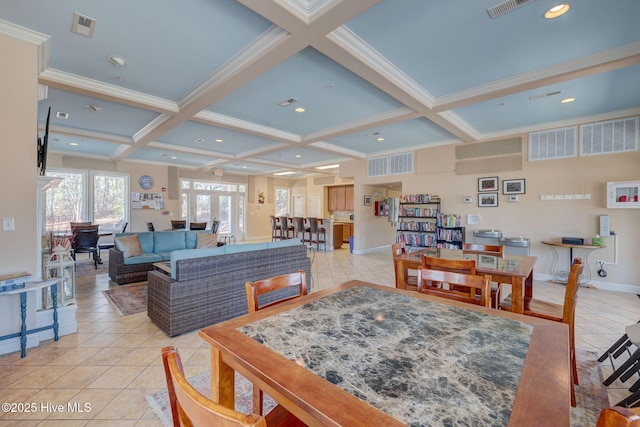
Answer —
604 286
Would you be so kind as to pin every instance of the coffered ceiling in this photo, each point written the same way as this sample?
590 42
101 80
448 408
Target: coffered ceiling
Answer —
209 84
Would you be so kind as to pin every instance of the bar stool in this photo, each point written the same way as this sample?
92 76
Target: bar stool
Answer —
320 232
275 229
299 227
285 228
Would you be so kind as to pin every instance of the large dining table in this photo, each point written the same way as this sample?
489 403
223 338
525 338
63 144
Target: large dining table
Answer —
516 270
361 354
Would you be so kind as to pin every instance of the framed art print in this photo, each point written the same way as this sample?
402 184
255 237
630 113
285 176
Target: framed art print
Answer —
488 184
487 200
513 186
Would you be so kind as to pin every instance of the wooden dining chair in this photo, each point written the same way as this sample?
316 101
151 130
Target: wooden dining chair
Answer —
564 313
494 250
618 416
198 225
178 224
410 280
274 290
467 288
463 266
189 407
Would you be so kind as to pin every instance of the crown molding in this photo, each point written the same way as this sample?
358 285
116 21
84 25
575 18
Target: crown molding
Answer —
228 122
42 41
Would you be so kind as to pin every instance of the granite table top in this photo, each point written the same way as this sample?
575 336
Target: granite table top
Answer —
421 362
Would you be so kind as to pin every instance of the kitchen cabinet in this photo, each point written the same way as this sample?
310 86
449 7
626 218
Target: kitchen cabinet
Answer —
340 197
347 231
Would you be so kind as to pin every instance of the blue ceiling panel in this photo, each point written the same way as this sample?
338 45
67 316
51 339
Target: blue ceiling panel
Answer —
113 118
614 91
397 136
170 157
189 132
330 94
81 147
299 156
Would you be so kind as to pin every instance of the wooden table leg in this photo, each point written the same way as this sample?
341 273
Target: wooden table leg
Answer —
517 295
401 280
222 380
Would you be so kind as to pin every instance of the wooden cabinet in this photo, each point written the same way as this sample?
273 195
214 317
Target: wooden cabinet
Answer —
340 197
347 231
348 197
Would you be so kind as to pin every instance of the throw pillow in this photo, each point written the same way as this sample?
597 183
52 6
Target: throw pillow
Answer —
129 245
207 240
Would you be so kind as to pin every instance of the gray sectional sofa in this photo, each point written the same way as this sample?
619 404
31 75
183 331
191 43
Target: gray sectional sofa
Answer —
157 247
207 286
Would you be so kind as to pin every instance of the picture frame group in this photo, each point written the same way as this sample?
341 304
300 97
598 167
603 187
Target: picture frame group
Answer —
513 186
488 184
488 199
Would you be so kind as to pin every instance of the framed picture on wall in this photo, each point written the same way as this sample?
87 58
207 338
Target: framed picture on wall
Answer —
513 186
367 200
488 184
487 200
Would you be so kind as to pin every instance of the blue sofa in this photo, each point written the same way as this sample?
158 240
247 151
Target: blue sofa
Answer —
157 247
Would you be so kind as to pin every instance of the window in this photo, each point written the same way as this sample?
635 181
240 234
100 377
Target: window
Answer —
102 200
282 201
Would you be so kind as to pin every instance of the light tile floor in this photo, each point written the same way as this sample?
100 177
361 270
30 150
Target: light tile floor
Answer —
113 362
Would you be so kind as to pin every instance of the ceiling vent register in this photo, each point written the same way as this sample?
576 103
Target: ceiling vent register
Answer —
505 7
378 166
401 163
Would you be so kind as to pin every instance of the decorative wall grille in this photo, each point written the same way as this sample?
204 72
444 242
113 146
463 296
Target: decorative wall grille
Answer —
378 166
553 144
614 136
401 163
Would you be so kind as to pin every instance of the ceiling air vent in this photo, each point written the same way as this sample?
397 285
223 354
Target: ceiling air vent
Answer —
544 95
505 7
83 25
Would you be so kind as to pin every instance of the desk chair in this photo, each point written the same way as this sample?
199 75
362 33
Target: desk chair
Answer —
410 281
198 226
109 245
178 224
564 313
494 250
618 416
467 288
85 240
274 290
189 407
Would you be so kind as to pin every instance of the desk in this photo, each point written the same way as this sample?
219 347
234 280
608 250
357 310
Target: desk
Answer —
514 269
30 287
562 275
328 357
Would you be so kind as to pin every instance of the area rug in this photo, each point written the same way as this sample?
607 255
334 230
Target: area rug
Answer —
128 300
159 401
85 266
591 395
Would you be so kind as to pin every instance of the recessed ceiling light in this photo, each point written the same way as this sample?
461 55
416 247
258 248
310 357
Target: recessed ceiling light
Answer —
199 141
116 60
74 144
380 139
173 157
567 100
244 166
299 110
556 11
284 173
328 167
219 140
298 156
93 107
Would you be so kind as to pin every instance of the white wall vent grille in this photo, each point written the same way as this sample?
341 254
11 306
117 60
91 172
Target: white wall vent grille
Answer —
378 166
553 144
614 136
401 163
505 7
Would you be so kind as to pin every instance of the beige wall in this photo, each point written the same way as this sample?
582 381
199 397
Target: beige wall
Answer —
18 121
531 217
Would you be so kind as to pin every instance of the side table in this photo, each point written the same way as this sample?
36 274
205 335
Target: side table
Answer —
30 287
562 275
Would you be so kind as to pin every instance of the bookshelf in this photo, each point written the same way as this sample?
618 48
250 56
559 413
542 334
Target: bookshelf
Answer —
449 233
417 218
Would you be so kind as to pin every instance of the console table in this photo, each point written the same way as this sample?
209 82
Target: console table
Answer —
30 287
562 275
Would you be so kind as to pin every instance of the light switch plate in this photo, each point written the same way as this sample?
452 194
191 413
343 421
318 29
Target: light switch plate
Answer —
7 224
